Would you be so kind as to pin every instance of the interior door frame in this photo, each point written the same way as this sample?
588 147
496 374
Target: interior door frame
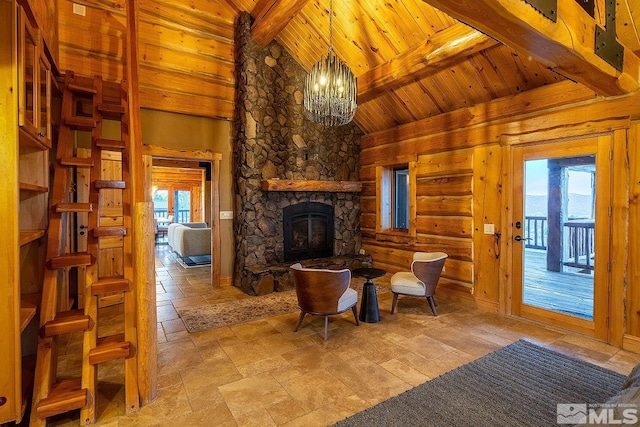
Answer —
515 155
151 152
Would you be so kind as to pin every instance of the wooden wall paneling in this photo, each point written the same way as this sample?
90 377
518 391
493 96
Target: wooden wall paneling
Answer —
457 248
620 240
445 163
368 220
184 68
443 205
633 268
367 205
487 209
572 121
456 185
536 100
446 226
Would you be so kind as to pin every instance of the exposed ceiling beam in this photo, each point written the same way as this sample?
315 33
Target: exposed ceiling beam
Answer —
566 46
445 48
271 16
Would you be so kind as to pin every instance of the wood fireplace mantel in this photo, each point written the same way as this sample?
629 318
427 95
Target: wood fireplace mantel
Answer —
308 185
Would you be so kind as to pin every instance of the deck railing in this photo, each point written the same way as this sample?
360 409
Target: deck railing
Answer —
578 243
535 232
184 215
579 238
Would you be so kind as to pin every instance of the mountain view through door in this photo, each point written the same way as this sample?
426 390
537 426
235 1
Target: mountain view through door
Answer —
558 235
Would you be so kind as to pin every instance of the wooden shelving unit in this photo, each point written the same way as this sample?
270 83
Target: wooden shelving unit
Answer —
25 186
309 185
28 236
29 304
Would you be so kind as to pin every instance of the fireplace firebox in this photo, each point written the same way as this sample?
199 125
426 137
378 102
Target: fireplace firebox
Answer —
308 231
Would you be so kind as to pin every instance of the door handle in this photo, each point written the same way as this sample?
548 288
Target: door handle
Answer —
518 238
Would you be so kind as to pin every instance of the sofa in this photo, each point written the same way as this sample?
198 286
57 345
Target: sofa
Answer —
189 239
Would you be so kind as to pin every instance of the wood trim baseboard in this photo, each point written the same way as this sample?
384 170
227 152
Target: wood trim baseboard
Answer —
226 281
631 343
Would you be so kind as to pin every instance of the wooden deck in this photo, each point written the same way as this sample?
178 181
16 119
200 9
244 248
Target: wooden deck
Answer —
569 293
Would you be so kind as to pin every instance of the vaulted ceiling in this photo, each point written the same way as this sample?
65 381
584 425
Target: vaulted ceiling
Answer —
412 60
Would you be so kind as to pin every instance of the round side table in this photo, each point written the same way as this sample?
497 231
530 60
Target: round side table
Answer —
369 311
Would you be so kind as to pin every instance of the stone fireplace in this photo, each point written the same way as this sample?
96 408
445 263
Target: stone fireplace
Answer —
273 140
308 231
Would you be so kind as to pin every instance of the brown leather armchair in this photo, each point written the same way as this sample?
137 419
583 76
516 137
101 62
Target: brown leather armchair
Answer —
323 293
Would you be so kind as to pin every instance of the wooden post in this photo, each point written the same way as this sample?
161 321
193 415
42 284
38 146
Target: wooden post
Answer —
554 213
143 238
146 301
215 223
11 361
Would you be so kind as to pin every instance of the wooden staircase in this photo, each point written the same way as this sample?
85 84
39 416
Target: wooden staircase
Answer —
106 264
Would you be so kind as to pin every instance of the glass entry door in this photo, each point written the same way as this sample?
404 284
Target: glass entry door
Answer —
560 228
182 208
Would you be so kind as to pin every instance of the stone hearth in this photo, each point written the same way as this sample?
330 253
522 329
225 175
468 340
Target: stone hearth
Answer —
273 139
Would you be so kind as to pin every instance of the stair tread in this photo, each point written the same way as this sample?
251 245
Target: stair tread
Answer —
64 396
77 161
67 321
111 143
110 348
81 122
74 259
109 231
111 108
110 184
74 207
78 88
111 286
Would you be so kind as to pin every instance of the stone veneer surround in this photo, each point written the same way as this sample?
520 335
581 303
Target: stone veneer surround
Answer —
273 139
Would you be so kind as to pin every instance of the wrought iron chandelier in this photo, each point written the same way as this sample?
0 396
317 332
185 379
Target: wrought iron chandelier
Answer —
330 89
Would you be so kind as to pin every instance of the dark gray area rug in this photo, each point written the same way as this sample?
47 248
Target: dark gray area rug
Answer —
517 385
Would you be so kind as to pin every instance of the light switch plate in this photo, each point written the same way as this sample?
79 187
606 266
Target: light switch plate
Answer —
226 214
489 229
79 9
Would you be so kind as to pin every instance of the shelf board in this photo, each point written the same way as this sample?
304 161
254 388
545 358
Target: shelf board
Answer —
28 236
33 187
29 140
28 307
308 185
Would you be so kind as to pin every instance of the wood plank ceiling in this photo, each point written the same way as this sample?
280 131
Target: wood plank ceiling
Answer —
187 53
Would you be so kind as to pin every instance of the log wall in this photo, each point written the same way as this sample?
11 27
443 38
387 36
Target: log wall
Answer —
185 48
462 161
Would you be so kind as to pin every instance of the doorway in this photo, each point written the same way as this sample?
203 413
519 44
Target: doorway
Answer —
187 203
561 194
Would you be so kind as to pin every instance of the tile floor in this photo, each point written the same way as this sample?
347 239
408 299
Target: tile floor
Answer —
261 373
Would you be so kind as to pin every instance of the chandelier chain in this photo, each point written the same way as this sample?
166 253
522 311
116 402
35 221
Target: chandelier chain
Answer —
330 27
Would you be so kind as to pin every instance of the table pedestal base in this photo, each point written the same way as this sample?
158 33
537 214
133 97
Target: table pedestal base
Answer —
369 311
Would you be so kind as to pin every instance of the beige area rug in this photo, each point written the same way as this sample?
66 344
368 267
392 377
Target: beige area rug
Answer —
198 319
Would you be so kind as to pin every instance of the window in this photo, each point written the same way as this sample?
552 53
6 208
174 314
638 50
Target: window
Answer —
395 190
400 199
